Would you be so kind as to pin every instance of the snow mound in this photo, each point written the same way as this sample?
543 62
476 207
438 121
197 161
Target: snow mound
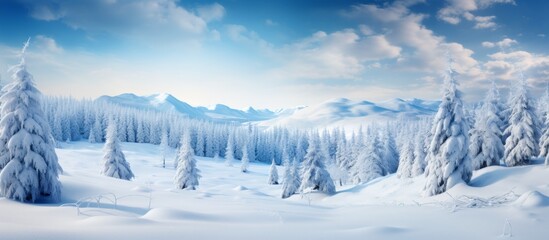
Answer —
532 199
170 214
240 188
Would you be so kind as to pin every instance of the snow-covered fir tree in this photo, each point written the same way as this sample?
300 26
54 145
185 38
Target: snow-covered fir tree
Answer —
486 147
314 174
406 160
544 141
273 174
245 161
186 174
114 161
389 152
291 183
449 161
164 147
523 128
28 163
229 151
369 163
343 158
419 163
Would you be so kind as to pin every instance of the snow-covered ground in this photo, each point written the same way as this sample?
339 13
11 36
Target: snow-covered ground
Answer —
233 205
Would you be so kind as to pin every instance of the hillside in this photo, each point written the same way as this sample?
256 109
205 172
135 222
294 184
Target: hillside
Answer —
331 113
233 205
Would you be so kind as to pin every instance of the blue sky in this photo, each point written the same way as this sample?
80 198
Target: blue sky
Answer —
275 54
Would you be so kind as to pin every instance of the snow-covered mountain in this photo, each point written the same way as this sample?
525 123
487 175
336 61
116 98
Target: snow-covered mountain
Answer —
167 102
348 113
335 112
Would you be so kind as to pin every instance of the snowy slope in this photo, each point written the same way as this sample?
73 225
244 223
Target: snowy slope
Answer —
332 113
352 114
167 102
234 205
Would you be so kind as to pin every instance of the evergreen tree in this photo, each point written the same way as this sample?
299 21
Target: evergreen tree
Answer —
186 174
418 166
544 141
273 174
164 147
448 152
245 161
229 151
314 174
369 162
114 161
390 154
406 160
291 183
523 129
28 162
486 147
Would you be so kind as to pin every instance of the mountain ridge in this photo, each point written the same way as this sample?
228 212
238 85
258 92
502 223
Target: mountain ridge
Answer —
333 112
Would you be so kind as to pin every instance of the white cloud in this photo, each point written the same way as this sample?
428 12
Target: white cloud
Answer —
241 34
366 30
484 22
153 21
213 12
422 49
271 23
338 55
505 43
456 10
508 65
47 43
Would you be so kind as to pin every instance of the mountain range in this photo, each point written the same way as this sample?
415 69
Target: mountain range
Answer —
331 113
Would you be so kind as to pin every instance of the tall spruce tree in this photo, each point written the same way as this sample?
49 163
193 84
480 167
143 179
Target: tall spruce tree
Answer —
314 174
449 161
523 128
186 174
544 141
114 161
273 174
486 147
28 163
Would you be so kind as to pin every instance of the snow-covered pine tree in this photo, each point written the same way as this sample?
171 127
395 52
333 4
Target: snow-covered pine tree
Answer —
273 174
369 161
389 154
28 162
406 160
523 128
544 141
486 147
291 183
245 161
229 151
164 147
186 174
91 138
314 174
114 161
418 166
449 161
343 157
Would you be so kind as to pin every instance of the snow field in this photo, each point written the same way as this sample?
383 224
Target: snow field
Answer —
230 204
